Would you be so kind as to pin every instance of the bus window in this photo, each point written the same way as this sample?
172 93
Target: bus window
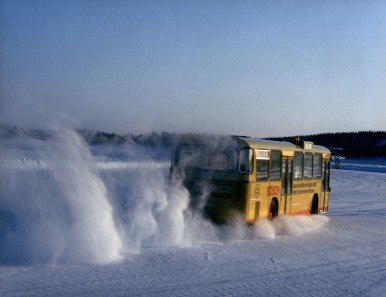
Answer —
326 176
262 162
289 183
203 159
283 176
298 165
286 177
246 161
274 165
262 170
308 165
317 173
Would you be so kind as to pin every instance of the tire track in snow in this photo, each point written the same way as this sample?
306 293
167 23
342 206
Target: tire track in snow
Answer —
344 273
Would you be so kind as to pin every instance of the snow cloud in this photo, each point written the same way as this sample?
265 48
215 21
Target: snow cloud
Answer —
58 212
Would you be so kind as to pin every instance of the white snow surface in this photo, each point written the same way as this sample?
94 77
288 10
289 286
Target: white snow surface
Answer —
102 221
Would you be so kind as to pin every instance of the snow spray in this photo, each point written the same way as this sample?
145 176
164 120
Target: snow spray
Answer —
266 229
54 207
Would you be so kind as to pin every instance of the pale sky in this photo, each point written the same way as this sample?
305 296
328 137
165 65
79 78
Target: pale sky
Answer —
258 68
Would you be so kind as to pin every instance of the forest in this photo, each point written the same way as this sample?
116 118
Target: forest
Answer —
349 144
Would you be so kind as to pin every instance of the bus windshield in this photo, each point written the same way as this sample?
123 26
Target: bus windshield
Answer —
204 158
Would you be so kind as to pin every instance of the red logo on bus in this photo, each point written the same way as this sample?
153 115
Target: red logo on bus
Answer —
273 190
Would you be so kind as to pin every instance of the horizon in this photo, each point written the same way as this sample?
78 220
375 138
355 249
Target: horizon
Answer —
79 130
259 68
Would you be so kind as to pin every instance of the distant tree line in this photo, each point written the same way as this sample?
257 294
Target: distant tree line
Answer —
12 131
352 144
164 139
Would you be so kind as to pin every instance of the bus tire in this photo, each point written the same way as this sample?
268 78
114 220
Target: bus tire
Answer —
315 205
273 210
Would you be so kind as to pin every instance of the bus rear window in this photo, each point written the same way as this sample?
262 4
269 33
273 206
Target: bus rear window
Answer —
246 161
203 158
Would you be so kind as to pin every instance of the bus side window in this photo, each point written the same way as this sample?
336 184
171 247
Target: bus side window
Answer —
298 165
262 162
262 170
326 176
317 173
274 165
308 165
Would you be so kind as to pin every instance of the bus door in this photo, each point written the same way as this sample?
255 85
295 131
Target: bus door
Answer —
286 183
325 184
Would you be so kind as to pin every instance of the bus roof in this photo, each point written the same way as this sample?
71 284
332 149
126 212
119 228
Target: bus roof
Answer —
223 140
281 145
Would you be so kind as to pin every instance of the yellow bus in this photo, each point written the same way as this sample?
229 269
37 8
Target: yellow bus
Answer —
256 178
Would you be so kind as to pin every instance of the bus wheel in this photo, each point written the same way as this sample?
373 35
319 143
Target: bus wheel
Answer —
273 210
315 205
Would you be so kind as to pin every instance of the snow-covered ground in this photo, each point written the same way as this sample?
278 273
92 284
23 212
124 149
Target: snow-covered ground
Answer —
105 223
